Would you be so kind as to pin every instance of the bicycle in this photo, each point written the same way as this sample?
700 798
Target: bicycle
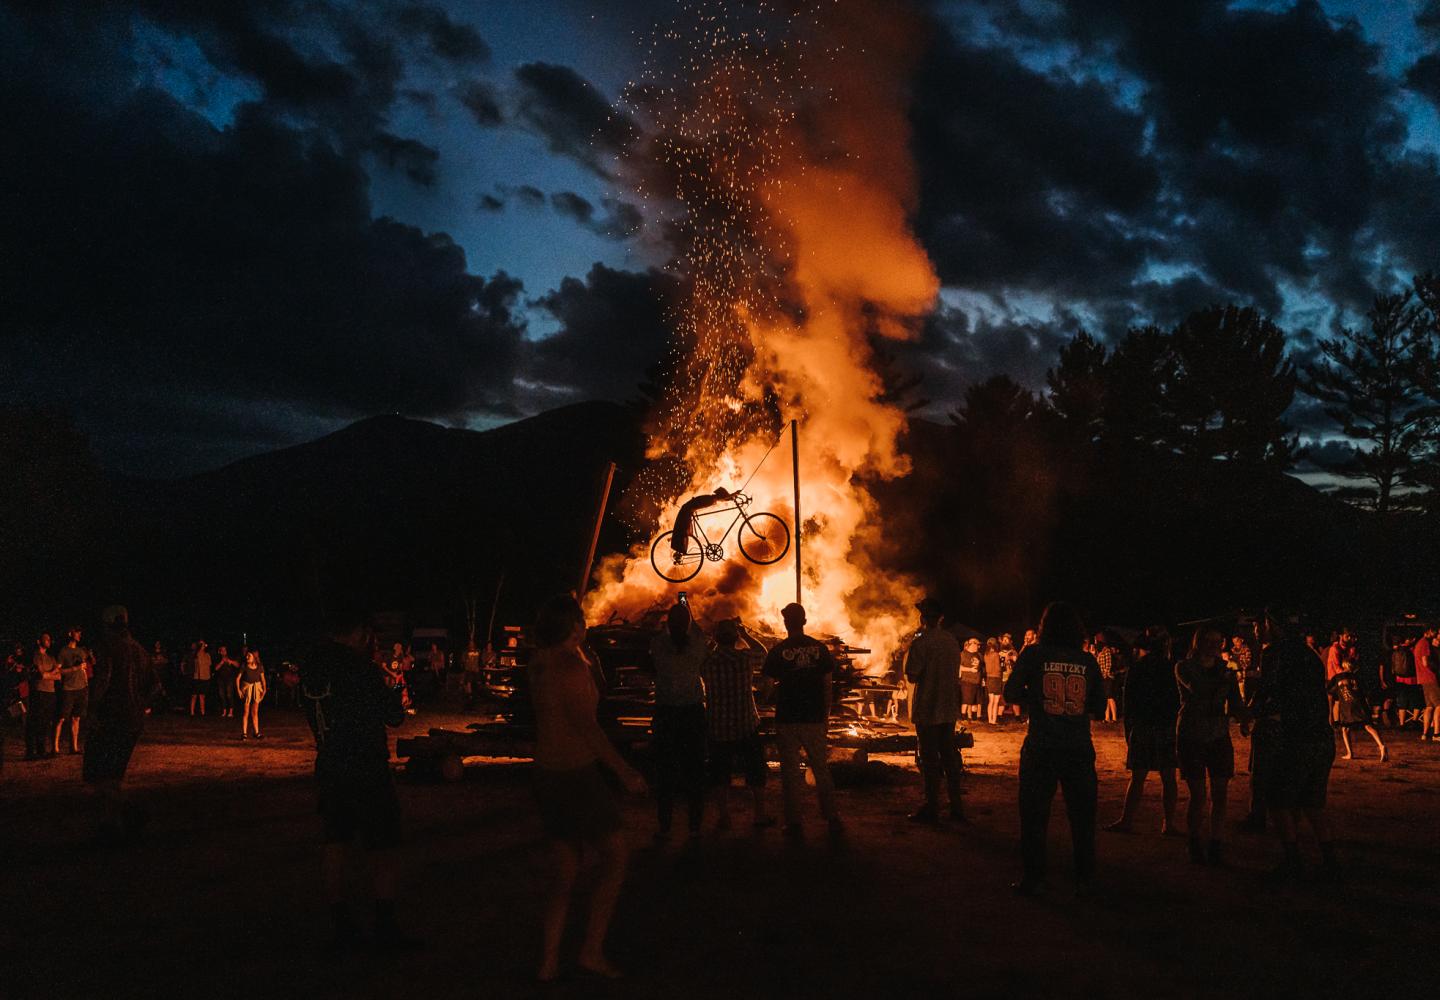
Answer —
764 539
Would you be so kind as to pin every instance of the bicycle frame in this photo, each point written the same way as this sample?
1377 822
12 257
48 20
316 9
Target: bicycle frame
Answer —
698 532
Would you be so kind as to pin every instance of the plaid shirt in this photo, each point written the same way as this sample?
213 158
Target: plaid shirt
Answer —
1105 656
730 694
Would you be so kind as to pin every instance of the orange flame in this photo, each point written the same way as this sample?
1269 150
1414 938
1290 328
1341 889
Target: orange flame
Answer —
794 179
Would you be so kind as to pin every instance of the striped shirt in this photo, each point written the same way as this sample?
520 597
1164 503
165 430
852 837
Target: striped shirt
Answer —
730 694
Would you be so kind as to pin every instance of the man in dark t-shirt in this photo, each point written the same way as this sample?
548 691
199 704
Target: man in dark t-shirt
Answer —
1062 691
349 707
802 669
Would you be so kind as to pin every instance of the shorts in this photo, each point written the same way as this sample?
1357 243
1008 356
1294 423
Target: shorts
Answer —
73 704
362 804
107 754
748 753
1215 758
1150 750
1297 774
576 805
993 685
1432 695
969 692
1409 697
252 693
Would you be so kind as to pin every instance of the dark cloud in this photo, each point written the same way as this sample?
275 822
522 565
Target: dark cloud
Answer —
1026 179
155 255
620 220
490 203
1424 77
529 196
574 118
414 158
457 42
613 327
482 102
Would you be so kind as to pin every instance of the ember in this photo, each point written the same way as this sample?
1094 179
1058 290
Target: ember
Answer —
776 145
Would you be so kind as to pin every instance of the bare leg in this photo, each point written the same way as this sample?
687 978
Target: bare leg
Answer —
1169 797
1379 743
58 727
1133 793
613 857
1345 739
557 907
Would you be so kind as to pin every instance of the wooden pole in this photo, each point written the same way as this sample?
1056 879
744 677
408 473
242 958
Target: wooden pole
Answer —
795 464
595 535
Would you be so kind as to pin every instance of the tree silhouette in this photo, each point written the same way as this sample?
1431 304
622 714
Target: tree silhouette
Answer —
1138 380
1231 387
1373 383
1077 387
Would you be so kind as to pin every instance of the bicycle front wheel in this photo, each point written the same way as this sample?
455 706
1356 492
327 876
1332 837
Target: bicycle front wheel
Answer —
764 538
673 566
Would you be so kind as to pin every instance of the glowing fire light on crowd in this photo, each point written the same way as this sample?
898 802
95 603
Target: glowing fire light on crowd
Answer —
771 142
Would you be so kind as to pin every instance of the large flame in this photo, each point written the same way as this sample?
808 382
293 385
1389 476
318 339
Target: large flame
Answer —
777 139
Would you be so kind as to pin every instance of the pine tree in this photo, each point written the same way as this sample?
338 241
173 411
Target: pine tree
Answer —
1373 383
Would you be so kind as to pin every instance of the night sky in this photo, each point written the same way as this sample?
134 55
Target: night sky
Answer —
228 227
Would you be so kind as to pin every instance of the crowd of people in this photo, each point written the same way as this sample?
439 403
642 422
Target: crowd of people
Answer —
1178 703
49 688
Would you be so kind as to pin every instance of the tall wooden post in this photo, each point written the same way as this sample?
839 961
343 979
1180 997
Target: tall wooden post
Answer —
595 534
795 464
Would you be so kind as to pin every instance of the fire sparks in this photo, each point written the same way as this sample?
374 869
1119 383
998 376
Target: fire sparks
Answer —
771 144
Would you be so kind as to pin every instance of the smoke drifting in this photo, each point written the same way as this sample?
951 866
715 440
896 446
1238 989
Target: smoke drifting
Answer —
773 143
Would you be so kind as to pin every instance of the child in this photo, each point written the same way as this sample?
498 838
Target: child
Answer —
1351 709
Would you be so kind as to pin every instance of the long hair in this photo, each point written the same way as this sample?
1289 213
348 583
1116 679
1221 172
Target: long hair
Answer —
1061 625
557 620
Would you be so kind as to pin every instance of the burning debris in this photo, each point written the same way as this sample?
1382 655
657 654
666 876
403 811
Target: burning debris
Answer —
771 142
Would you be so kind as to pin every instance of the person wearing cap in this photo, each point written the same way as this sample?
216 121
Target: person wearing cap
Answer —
124 684
802 668
932 664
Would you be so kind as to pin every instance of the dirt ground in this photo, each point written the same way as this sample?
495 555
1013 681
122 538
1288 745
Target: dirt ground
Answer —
221 897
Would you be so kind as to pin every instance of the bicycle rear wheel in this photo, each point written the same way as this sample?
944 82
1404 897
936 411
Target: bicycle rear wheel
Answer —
764 538
672 567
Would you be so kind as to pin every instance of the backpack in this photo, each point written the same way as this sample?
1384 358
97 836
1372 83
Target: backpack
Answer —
1402 663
